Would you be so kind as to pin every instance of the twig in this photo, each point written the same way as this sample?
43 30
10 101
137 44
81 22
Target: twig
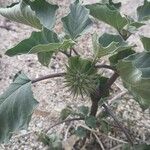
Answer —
110 137
117 96
64 121
118 123
120 86
106 67
49 76
75 52
111 80
118 140
94 133
67 131
98 140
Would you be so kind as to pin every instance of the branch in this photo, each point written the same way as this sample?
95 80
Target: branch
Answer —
106 67
118 123
99 94
64 121
75 52
111 80
48 77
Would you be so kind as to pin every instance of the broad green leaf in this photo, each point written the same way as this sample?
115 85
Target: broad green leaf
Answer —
43 37
44 11
105 127
36 14
77 21
21 13
55 142
143 11
132 25
135 73
107 14
91 121
16 107
120 55
99 50
81 132
84 110
52 141
45 43
45 57
42 137
108 44
66 112
146 42
52 46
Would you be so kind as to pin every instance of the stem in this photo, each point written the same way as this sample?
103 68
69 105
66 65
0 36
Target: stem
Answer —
75 52
94 106
118 123
111 80
48 77
64 121
106 67
95 98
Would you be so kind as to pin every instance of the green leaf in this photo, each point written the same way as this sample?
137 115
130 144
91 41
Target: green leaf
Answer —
84 110
143 11
135 73
65 112
44 11
45 43
136 147
107 14
36 39
146 42
91 121
36 14
52 141
55 142
132 25
77 21
42 137
120 55
81 132
105 127
21 13
108 44
52 46
45 57
16 107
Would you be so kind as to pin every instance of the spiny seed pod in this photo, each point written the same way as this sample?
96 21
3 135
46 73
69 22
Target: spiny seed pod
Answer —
81 76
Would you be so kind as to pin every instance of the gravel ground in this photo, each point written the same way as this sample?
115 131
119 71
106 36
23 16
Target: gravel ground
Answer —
51 93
